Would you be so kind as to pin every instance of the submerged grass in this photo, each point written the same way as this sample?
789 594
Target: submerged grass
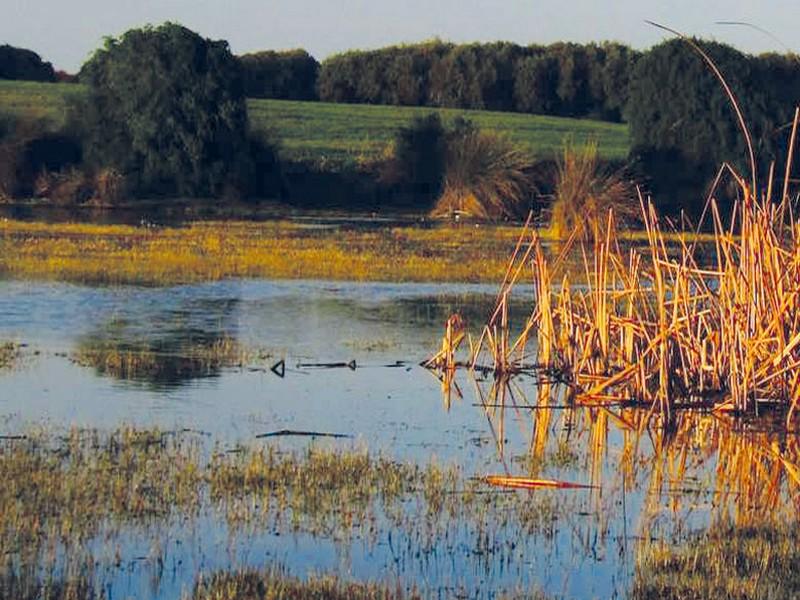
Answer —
143 361
9 352
275 585
725 562
63 489
62 492
29 587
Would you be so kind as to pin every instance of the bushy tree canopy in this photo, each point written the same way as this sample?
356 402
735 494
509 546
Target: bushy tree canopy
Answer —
561 79
166 107
290 75
676 102
683 124
18 63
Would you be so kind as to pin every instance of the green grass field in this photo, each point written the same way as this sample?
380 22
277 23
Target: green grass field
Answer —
335 134
325 132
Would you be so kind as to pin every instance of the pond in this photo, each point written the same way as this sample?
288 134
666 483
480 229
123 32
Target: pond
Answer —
231 361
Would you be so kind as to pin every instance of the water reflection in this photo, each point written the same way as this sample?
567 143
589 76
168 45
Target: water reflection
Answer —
169 349
691 464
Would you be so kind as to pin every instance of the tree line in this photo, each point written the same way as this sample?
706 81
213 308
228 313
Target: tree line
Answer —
166 107
563 79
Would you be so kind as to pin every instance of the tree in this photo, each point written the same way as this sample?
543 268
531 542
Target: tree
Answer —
455 81
681 121
18 63
535 84
290 75
618 64
419 157
166 108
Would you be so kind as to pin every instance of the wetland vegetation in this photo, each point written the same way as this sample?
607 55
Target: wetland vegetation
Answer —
280 250
8 354
633 434
66 491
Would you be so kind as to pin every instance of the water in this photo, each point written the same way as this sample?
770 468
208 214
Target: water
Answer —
388 403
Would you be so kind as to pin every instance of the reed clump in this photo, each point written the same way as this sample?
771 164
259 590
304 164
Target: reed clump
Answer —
657 326
585 192
486 177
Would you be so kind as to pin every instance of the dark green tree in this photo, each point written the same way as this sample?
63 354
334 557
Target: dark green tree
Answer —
166 107
683 126
338 78
19 63
456 80
681 122
573 79
419 156
618 64
289 75
535 82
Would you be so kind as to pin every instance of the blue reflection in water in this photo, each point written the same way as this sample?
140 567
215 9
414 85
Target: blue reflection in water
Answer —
395 410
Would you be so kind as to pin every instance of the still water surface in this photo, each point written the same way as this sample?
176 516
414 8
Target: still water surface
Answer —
388 403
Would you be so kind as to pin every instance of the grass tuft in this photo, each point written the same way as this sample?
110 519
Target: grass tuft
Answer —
585 193
486 177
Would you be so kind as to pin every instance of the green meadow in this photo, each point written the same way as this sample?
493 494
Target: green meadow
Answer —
331 135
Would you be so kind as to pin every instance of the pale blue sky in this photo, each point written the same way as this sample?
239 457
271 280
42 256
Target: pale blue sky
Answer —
65 32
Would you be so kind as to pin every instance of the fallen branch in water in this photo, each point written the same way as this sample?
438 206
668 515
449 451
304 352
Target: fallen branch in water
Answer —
530 484
331 365
292 432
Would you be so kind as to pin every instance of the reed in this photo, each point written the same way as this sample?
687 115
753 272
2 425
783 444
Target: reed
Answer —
585 192
658 326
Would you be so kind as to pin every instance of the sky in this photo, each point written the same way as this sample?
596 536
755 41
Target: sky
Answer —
66 32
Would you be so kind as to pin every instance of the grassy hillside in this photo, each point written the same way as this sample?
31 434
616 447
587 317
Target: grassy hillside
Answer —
40 101
333 134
